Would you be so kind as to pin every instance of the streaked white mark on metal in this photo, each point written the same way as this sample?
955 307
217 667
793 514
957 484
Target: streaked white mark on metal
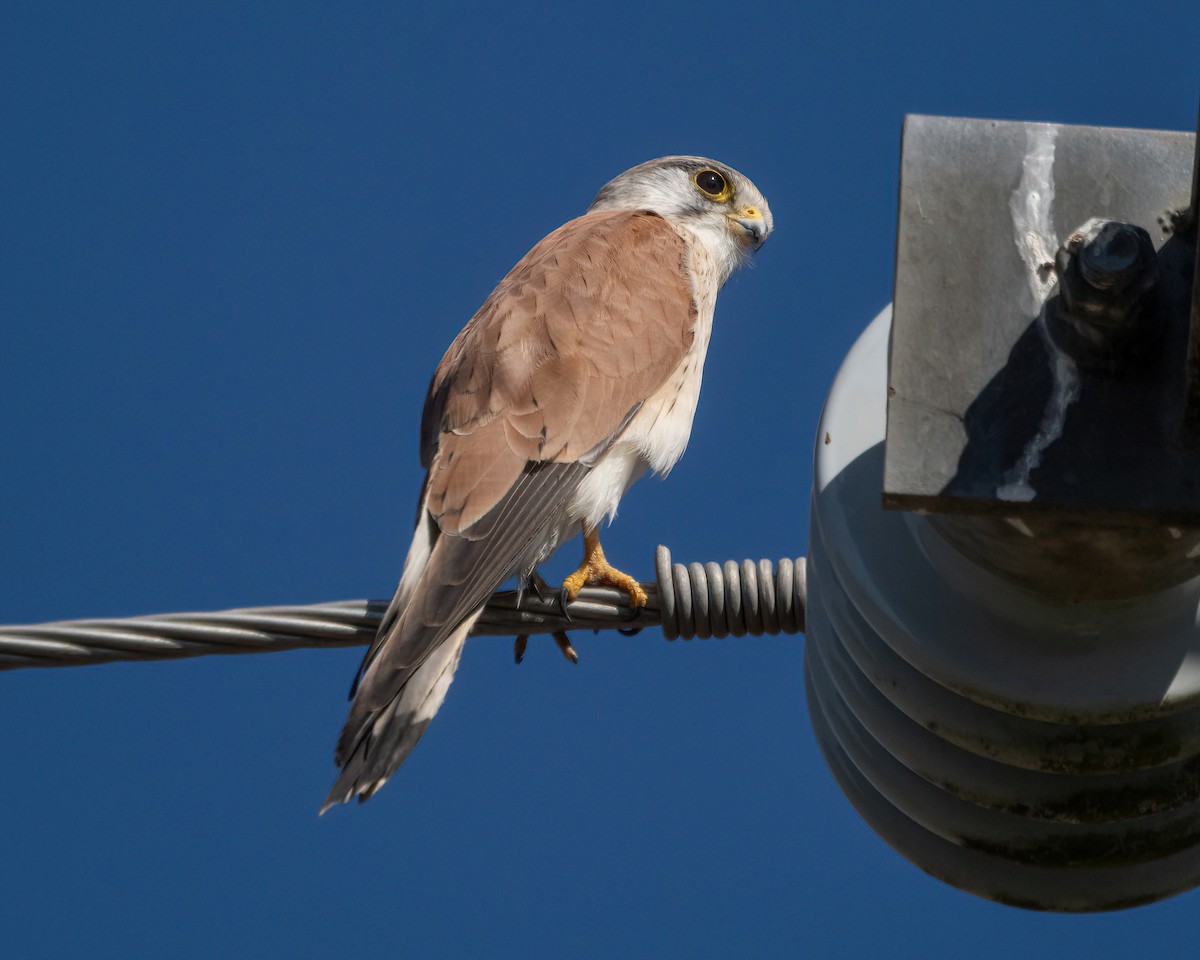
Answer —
1033 228
1033 221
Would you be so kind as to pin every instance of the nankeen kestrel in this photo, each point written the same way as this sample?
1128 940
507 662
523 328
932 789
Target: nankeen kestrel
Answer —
578 374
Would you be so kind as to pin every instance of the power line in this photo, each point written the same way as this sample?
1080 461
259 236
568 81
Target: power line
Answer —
692 601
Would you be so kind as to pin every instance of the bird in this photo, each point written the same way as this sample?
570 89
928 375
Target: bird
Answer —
579 373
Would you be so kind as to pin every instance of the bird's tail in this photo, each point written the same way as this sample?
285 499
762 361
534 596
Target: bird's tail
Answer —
390 733
377 739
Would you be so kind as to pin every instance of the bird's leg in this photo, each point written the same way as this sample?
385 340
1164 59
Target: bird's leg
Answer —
595 569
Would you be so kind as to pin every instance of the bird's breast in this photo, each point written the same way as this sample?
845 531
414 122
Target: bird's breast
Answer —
656 436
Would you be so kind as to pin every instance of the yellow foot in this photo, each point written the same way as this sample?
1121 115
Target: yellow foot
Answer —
596 570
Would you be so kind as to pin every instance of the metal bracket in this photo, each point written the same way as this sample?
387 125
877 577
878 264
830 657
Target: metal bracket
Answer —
986 413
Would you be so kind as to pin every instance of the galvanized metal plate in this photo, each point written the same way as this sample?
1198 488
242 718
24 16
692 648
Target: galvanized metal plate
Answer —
978 416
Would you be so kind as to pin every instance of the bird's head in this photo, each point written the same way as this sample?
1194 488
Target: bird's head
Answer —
724 209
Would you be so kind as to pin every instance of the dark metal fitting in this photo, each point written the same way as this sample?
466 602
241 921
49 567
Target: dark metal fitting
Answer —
1108 271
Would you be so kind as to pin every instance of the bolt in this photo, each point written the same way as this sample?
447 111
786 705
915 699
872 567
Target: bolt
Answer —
1107 272
1108 277
1112 257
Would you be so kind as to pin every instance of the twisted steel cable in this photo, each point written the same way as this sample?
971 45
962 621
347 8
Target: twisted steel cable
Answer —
693 601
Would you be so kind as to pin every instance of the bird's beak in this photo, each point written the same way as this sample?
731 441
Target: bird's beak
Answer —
749 225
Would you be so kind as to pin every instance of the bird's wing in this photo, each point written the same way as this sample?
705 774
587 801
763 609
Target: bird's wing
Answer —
586 326
589 323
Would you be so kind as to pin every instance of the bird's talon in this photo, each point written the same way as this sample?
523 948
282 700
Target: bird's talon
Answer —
564 597
564 644
637 596
519 647
540 587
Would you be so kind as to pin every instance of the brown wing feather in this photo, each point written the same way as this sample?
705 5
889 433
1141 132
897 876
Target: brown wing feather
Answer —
459 577
587 325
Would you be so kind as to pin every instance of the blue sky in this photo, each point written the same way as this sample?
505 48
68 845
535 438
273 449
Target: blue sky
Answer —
236 240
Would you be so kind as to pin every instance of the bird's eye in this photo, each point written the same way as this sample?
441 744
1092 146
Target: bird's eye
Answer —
711 183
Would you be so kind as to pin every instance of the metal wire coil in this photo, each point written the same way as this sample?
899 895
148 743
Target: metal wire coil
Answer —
694 601
705 600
